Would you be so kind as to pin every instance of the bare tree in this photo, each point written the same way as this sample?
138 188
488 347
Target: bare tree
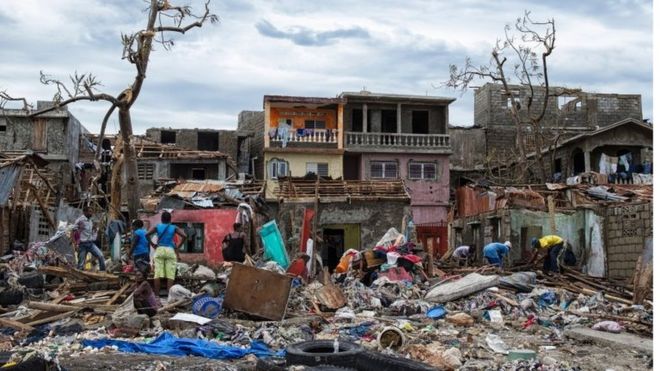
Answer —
163 20
526 47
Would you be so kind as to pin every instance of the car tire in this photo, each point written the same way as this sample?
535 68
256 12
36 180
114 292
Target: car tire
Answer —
32 280
373 361
11 297
321 352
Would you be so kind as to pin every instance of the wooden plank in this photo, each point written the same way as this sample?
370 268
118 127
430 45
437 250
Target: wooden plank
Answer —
118 294
49 307
53 318
15 325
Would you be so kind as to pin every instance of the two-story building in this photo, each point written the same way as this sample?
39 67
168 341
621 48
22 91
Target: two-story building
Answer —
392 136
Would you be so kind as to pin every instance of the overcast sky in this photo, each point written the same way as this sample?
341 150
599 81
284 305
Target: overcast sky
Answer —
311 48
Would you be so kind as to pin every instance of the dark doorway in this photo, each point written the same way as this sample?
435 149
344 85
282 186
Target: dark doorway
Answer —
526 235
334 245
351 167
168 137
388 121
420 122
578 162
207 141
356 121
199 174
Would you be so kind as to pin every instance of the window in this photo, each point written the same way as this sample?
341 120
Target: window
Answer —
314 124
384 169
168 137
420 122
506 101
145 171
207 141
3 128
320 168
421 170
195 241
278 168
198 173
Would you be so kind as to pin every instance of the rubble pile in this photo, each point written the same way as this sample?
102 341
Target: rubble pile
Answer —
459 318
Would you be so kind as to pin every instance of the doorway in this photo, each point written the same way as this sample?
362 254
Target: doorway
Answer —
578 162
333 246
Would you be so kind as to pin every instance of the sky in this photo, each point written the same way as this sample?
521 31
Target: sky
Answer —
310 48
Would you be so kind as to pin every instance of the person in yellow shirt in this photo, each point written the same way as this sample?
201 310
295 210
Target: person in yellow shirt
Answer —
552 247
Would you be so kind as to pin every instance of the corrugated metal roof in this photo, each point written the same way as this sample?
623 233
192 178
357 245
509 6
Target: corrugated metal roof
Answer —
8 177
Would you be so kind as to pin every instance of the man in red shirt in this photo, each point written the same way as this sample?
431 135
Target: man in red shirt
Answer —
298 267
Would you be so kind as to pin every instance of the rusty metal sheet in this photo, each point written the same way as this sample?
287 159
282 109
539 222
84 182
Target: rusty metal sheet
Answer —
331 297
257 292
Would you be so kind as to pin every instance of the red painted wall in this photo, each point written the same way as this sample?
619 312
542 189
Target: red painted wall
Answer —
217 224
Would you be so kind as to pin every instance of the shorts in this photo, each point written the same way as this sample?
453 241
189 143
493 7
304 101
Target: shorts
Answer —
165 263
494 261
142 263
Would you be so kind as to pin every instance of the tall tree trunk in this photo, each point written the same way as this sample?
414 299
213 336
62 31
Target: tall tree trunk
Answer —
130 163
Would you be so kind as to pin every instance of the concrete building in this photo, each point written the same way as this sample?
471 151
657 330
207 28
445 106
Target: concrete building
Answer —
567 116
210 140
391 136
55 136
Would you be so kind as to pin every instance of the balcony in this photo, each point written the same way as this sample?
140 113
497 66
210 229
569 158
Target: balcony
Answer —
394 142
305 138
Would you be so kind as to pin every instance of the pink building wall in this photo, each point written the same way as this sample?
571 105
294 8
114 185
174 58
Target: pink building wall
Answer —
429 199
217 224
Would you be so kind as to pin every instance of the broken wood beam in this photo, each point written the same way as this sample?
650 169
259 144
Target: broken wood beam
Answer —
53 318
174 305
6 322
118 294
48 307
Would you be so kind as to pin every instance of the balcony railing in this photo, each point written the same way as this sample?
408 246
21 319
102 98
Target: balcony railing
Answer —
307 136
401 140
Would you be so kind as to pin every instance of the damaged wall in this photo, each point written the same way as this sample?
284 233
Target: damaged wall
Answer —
251 128
627 226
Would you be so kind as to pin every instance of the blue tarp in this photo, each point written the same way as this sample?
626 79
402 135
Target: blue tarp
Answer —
170 345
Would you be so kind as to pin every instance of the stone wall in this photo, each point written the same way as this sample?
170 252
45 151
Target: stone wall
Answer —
251 130
626 229
467 147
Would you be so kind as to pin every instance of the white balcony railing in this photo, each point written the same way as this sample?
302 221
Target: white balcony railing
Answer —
307 136
427 141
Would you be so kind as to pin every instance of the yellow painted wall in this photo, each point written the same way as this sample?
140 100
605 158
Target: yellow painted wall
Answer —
351 234
298 166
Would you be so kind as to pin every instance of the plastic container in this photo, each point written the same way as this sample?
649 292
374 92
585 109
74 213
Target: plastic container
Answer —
391 337
436 312
273 243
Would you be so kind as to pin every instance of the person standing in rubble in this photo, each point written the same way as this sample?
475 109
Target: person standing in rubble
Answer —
167 251
139 251
233 245
552 246
495 252
85 227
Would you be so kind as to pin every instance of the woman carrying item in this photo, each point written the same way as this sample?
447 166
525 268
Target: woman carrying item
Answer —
167 252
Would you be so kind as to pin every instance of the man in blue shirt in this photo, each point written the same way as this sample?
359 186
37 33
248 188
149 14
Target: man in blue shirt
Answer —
495 252
139 251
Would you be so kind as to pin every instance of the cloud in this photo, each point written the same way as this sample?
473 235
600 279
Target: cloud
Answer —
304 36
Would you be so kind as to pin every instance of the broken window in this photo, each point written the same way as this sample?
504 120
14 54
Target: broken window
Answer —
207 141
278 168
506 101
195 238
320 168
420 122
356 122
168 136
199 173
388 121
422 170
145 171
314 124
384 170
569 102
557 166
495 229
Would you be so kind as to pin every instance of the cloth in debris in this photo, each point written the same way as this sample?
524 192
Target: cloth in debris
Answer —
114 227
168 344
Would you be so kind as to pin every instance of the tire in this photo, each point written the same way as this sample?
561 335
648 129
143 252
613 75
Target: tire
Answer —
321 352
32 280
373 361
11 297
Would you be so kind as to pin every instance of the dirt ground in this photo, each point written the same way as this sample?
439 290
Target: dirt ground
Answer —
146 362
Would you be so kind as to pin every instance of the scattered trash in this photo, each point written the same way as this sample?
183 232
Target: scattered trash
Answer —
496 344
391 338
609 326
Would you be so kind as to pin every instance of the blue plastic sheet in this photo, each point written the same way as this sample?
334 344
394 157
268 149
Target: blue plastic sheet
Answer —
168 344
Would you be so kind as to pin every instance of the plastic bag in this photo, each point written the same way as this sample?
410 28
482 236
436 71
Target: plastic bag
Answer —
497 344
178 292
608 326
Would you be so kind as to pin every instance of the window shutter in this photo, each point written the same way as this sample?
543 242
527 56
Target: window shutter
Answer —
391 170
376 170
322 169
282 168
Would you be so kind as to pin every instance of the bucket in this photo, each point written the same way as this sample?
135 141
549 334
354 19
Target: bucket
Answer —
391 337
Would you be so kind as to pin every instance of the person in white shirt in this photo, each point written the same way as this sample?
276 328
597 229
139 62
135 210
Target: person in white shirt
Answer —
462 254
85 226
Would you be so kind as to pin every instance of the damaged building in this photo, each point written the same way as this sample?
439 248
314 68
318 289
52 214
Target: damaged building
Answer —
606 226
570 117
